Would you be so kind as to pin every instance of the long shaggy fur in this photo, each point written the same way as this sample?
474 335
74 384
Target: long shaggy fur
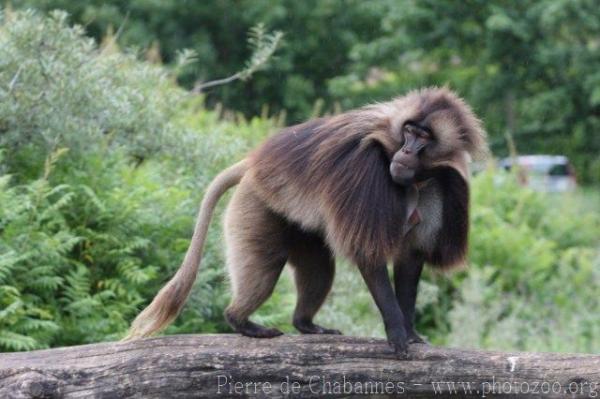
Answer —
341 165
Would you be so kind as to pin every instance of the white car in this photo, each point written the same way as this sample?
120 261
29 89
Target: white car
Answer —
549 173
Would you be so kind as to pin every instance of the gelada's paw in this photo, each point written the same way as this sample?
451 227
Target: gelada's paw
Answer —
401 350
250 329
268 333
311 328
331 331
414 338
399 343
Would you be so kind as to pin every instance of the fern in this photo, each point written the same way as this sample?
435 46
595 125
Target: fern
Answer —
88 234
17 342
8 261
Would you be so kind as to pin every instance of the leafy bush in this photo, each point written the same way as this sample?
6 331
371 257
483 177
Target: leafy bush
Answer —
528 67
535 269
60 90
104 160
71 265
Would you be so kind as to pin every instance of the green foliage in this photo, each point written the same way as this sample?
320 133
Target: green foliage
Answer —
528 67
68 93
101 174
103 160
76 259
319 35
536 265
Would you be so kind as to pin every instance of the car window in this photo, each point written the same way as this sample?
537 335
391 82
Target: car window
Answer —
559 170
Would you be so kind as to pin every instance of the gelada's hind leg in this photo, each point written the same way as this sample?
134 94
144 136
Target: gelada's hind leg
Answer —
314 268
256 255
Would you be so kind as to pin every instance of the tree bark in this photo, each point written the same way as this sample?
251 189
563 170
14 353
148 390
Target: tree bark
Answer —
293 366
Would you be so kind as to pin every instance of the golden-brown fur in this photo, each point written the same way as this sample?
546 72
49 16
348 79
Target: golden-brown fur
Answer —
323 188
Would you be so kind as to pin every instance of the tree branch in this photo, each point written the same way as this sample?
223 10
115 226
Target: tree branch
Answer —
263 45
199 87
300 366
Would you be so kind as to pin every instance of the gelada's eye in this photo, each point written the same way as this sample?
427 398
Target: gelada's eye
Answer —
424 135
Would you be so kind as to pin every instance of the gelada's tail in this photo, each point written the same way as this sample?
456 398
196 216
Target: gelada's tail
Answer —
171 298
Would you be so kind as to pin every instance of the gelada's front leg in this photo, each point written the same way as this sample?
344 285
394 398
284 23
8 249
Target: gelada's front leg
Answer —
378 281
407 273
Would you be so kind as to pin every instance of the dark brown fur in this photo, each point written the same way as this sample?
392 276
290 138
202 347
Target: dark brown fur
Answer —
361 203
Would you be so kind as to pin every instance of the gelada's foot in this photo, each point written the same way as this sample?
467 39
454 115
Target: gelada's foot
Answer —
254 330
399 342
414 338
308 327
251 329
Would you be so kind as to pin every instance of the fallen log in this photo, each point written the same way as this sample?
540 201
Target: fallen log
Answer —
225 365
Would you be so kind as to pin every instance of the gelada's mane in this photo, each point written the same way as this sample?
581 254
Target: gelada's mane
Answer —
350 167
